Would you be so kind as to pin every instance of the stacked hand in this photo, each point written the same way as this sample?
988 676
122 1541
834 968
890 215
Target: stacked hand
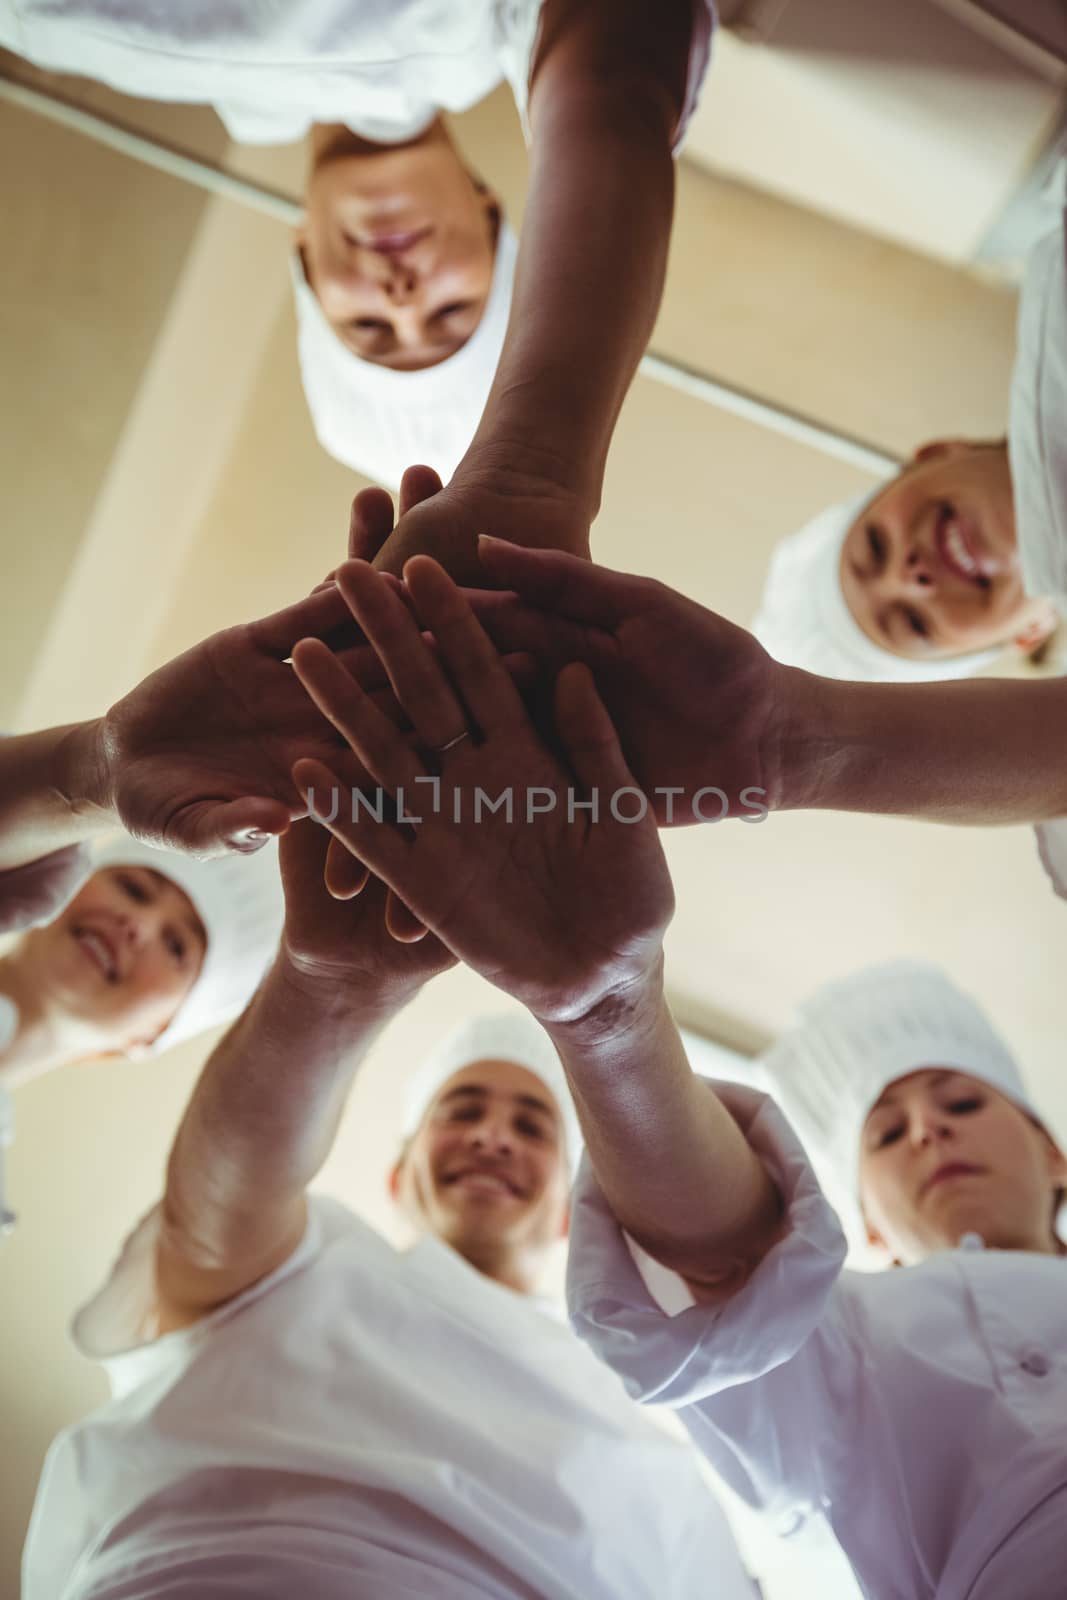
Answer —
697 702
559 910
447 522
198 756
346 946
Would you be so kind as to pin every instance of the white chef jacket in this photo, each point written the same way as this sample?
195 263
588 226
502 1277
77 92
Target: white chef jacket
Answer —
365 1422
1037 444
922 1412
385 68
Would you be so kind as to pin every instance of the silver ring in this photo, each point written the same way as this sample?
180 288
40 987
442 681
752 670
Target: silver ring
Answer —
452 743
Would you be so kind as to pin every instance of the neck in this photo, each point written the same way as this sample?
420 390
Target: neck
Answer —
42 1040
519 1271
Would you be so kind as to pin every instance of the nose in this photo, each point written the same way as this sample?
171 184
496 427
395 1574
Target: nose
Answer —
490 1134
392 273
929 1126
917 572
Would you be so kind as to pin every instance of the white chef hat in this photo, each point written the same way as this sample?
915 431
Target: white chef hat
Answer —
239 900
856 1036
500 1036
804 620
1037 440
380 421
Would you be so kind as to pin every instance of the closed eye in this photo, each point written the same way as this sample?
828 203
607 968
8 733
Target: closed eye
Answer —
132 887
889 1136
876 545
916 623
962 1107
451 310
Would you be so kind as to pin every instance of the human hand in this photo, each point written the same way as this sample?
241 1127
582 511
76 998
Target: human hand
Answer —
348 945
560 911
446 522
38 890
697 702
198 757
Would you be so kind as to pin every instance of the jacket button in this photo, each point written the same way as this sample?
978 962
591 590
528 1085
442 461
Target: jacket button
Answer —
1036 1363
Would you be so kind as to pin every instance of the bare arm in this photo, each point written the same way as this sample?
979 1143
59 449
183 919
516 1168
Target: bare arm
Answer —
260 1124
53 792
607 90
265 1111
606 94
985 752
674 1166
697 701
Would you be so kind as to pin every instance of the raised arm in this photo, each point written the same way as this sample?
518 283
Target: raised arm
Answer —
557 896
697 701
608 87
197 757
265 1111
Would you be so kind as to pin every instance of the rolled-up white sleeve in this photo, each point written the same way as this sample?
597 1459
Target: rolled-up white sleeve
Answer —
751 1376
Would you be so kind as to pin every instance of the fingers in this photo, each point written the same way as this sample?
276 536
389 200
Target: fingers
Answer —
403 924
213 827
588 735
417 484
378 744
414 672
319 614
345 876
563 583
370 523
472 661
380 846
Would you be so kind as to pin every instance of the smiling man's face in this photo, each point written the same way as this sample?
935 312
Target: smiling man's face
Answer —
486 1170
931 569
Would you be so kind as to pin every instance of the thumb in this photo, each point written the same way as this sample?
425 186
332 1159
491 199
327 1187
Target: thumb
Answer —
417 484
215 827
370 524
567 585
588 735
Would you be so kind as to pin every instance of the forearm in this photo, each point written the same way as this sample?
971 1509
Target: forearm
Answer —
53 792
984 752
673 1164
587 287
263 1117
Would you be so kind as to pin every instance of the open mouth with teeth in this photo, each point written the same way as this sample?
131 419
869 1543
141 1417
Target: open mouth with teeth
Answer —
99 950
480 1180
960 550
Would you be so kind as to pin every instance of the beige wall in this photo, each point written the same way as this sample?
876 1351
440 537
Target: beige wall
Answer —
102 335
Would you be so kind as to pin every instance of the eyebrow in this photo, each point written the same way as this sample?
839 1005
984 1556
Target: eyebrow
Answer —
888 1098
472 1091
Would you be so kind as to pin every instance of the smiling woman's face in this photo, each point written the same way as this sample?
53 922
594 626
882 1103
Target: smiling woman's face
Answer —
943 1154
399 247
931 569
119 960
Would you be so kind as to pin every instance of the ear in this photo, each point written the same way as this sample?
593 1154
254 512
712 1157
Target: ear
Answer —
1041 624
1057 1161
394 1182
565 1223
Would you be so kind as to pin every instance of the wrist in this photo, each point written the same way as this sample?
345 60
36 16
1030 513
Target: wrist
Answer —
514 469
601 1021
81 776
810 753
339 987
